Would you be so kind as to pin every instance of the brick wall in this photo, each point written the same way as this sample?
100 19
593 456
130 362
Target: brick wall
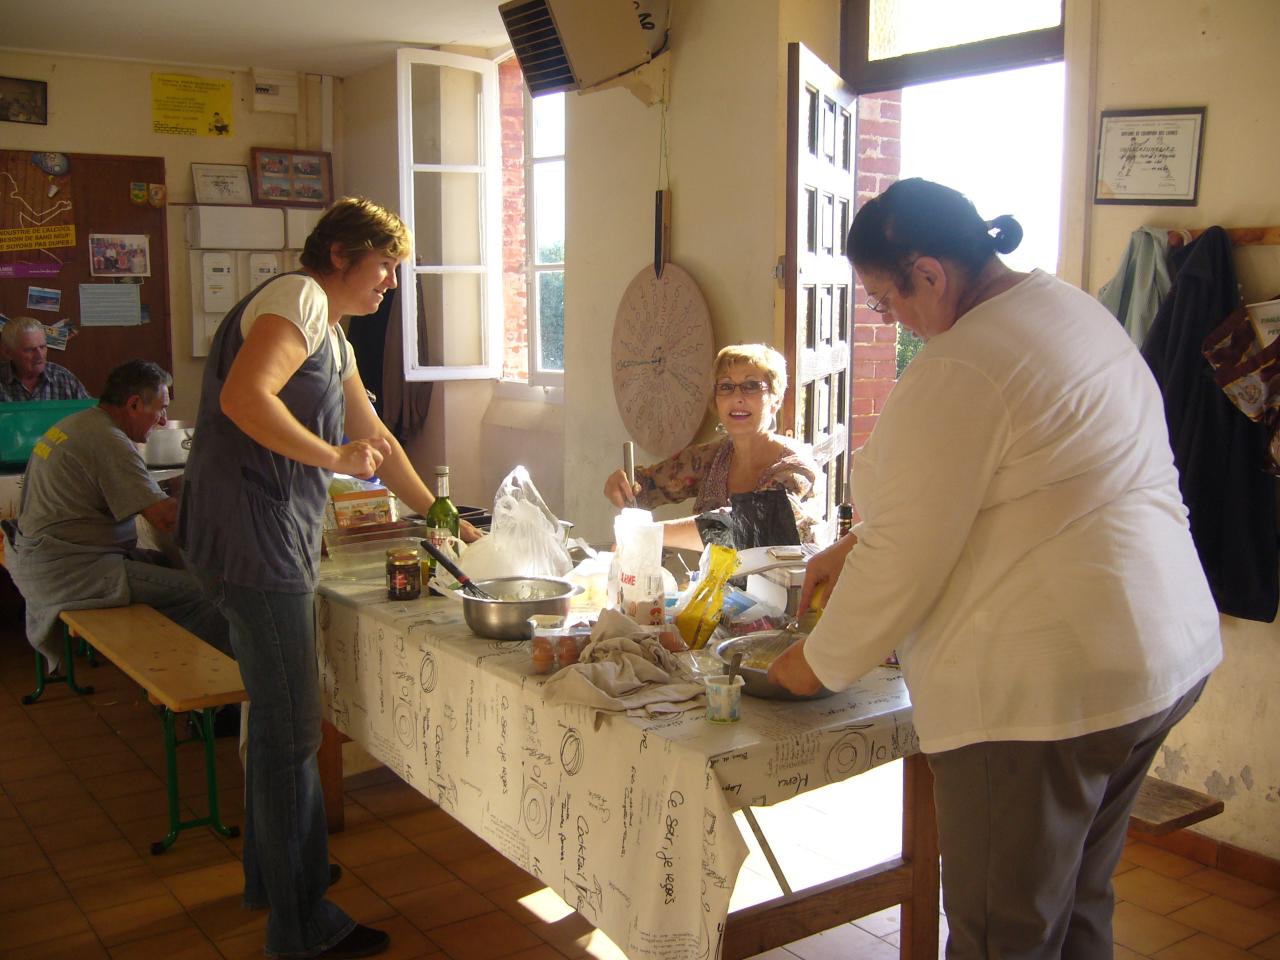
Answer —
879 163
515 326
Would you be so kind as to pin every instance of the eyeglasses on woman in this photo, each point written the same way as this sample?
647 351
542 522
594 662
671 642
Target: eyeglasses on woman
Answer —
749 388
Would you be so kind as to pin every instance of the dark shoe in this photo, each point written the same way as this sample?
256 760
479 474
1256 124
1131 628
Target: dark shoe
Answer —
361 942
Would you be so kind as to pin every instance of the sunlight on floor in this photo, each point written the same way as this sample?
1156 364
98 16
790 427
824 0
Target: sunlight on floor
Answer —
824 834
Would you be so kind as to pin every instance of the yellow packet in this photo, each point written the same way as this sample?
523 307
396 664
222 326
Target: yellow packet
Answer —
701 615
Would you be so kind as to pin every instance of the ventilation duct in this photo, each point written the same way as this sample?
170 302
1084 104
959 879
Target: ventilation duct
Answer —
576 44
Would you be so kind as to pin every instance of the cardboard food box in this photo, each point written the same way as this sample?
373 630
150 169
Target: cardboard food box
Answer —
361 507
1265 317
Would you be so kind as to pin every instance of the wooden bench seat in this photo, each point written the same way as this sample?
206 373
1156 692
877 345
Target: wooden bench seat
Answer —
180 673
1163 807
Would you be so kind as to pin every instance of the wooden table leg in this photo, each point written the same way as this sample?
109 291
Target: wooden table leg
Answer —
330 760
920 849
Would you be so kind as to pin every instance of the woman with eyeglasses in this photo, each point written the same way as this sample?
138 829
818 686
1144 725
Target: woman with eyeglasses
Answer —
1024 547
750 382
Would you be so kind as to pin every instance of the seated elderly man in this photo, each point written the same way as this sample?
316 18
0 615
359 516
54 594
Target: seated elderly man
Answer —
25 371
75 545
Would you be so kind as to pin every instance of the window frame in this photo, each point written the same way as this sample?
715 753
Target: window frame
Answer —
944 63
489 170
538 376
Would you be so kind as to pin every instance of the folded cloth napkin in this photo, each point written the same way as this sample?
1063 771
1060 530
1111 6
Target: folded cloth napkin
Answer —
624 669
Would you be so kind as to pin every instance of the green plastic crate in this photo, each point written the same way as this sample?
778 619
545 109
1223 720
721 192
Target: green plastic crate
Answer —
22 424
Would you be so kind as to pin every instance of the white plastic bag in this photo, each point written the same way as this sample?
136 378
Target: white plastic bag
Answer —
525 538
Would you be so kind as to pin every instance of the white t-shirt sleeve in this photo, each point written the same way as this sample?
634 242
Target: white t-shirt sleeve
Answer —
343 355
298 299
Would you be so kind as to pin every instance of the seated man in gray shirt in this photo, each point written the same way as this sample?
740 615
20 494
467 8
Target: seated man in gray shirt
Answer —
76 541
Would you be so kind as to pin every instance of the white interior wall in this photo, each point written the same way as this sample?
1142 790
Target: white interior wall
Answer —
1163 53
104 106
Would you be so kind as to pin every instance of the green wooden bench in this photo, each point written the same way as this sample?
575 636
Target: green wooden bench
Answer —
181 673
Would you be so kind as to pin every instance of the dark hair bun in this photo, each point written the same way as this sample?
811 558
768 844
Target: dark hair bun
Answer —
1006 233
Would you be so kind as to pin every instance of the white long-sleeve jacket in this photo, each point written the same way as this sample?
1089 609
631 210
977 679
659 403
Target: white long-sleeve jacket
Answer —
1023 545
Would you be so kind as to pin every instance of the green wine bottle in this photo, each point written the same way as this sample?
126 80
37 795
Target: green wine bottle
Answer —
442 517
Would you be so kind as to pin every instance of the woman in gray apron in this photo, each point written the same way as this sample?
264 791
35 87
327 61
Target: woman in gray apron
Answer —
280 392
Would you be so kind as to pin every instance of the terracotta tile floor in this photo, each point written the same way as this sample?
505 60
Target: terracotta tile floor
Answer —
81 798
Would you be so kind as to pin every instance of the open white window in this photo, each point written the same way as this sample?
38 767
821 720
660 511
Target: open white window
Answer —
450 198
544 186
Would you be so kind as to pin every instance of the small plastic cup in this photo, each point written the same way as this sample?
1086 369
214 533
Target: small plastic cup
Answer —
724 701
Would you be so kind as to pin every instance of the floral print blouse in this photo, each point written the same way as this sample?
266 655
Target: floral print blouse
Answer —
701 471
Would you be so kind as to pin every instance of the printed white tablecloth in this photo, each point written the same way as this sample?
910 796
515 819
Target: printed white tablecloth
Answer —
630 820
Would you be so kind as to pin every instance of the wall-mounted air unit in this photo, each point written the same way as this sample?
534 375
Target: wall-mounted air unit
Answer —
576 44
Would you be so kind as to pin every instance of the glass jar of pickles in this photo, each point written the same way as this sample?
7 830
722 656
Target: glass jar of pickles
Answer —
404 574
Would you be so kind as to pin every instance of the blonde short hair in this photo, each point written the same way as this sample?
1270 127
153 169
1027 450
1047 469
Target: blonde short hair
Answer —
761 356
358 226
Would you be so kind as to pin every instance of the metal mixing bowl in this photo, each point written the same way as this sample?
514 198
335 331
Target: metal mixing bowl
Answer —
756 678
516 599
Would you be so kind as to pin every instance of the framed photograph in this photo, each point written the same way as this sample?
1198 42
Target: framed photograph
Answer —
24 101
119 255
221 183
1150 156
292 178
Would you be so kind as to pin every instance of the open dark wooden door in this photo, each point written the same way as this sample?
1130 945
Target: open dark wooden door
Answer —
821 137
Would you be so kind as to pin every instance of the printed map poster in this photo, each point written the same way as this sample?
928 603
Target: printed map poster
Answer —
187 106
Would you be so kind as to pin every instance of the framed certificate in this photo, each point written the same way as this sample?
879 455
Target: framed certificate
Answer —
1150 156
221 183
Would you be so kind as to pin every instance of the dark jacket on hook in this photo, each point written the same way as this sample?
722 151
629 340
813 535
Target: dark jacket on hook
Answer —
1220 453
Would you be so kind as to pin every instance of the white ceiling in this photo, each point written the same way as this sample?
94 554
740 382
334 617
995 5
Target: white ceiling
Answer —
335 37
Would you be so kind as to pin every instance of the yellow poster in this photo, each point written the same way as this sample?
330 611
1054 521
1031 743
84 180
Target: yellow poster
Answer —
190 106
37 238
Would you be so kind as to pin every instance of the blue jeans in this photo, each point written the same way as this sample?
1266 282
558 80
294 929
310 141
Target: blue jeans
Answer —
286 838
179 596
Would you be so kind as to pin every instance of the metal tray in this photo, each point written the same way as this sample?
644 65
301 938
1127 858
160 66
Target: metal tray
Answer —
757 683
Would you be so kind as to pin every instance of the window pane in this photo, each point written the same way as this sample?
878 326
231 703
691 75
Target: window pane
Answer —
548 125
446 114
1023 177
548 211
551 320
899 27
450 319
453 199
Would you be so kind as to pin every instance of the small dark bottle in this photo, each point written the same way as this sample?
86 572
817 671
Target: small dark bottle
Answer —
844 519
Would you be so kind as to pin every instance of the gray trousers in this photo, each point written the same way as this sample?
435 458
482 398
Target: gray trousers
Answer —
1030 833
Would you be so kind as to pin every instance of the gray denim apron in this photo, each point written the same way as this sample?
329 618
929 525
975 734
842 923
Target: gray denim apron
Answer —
250 516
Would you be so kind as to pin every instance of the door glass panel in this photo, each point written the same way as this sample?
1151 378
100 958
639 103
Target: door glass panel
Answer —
446 114
824 316
811 220
811 121
453 199
450 319
898 27
810 317
548 211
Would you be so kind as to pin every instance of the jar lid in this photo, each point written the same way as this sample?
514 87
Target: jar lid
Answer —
403 554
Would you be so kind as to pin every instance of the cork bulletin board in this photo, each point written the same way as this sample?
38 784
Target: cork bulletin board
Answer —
73 224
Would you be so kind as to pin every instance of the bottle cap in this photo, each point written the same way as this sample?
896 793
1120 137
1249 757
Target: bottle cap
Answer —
442 471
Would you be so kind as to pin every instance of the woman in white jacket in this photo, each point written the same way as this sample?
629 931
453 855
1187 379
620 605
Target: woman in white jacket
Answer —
1024 548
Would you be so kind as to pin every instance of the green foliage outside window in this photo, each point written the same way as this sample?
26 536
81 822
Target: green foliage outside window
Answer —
908 346
551 309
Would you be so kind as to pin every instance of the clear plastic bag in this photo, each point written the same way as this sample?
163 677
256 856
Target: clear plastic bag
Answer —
525 538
